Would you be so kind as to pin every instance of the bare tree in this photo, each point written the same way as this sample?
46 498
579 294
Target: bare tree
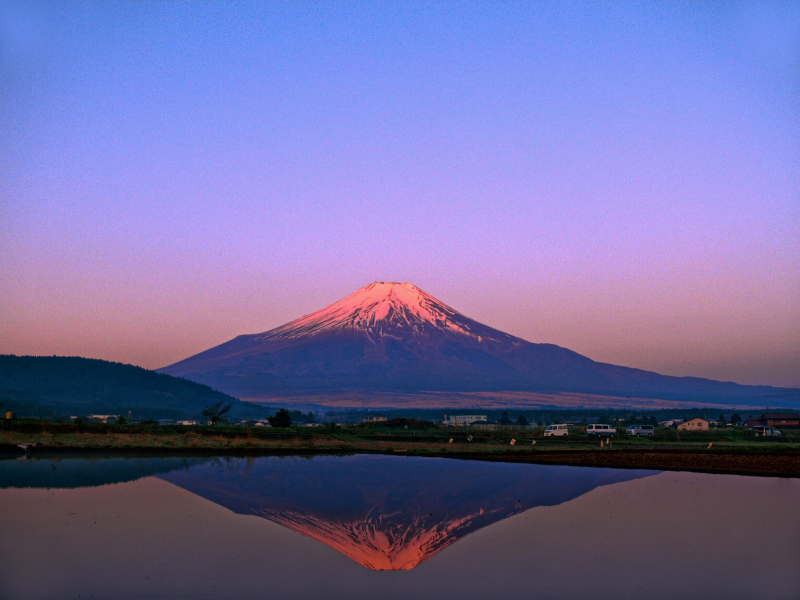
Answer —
216 412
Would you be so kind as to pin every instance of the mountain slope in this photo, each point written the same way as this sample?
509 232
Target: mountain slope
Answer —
55 385
395 336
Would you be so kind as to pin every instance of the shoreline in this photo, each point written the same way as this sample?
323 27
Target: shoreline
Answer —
750 462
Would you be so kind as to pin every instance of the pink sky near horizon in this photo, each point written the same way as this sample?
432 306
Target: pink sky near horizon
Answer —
621 180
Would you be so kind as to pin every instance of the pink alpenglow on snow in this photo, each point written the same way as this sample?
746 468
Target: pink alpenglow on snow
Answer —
376 307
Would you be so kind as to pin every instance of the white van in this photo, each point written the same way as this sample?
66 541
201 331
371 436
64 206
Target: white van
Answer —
641 430
596 429
556 431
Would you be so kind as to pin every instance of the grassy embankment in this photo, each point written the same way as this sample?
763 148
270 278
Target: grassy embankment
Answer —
724 450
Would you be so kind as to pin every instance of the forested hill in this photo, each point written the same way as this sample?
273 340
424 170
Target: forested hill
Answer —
48 386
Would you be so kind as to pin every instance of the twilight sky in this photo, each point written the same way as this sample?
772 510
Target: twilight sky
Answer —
619 178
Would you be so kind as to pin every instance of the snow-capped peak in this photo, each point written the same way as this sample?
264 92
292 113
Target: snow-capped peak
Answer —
379 308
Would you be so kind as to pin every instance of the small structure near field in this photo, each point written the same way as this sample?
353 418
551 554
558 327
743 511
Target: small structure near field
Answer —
696 424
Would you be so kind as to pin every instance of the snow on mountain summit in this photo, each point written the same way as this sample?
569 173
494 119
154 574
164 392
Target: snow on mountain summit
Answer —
383 308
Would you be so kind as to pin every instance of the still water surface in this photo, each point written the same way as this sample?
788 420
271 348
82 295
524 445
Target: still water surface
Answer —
389 527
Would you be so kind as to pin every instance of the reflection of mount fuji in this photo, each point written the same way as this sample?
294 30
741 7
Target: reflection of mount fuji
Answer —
388 512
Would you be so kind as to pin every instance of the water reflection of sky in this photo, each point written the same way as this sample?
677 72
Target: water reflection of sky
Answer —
384 512
663 536
85 471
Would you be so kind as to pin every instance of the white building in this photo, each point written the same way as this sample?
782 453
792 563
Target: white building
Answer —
103 418
374 419
462 420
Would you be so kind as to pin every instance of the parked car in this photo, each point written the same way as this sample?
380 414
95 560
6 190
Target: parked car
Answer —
556 431
597 429
641 430
763 430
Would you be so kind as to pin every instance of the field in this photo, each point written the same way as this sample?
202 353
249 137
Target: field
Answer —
731 450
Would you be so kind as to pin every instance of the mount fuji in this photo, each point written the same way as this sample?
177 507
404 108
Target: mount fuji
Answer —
395 337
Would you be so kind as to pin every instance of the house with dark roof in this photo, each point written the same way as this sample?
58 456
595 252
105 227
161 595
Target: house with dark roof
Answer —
781 420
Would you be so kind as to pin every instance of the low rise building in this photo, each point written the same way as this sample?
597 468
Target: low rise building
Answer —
103 418
462 420
696 424
374 419
781 420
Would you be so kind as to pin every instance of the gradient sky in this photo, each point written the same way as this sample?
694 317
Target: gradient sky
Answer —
619 178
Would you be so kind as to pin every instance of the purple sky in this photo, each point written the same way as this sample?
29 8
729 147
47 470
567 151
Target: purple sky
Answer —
619 178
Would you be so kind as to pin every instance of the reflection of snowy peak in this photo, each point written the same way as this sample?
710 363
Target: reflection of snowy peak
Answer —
383 308
387 512
380 542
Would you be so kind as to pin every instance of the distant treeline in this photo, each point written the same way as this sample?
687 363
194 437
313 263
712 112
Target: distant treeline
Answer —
544 416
